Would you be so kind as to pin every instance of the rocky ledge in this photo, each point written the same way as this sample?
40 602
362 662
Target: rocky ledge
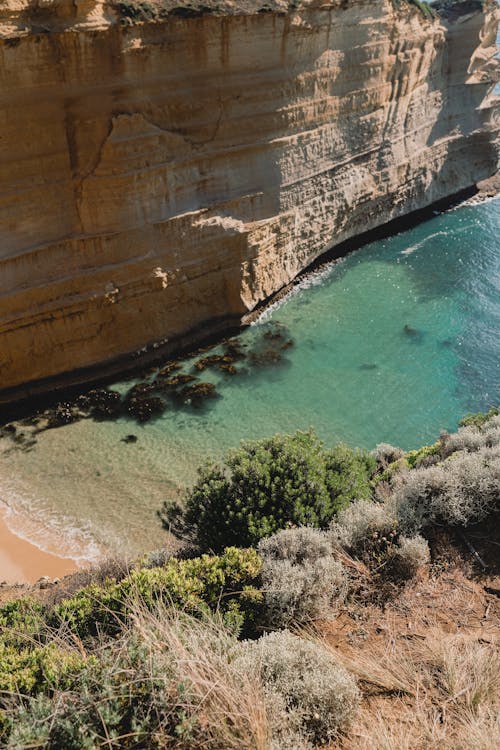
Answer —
167 166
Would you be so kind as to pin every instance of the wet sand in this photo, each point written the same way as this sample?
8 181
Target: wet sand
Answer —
23 562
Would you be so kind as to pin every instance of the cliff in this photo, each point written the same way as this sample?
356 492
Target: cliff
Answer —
165 168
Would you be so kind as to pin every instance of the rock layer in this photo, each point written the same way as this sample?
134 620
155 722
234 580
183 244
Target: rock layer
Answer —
161 177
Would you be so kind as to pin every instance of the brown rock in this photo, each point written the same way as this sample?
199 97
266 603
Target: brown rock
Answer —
162 178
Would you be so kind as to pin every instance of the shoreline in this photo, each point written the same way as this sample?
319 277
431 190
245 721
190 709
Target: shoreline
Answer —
23 562
21 401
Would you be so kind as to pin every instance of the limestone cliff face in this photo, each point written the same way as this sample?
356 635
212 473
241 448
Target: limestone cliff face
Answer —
161 177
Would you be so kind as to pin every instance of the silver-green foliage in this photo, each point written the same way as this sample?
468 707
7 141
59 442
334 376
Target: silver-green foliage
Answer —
362 519
461 490
472 437
307 693
386 454
301 580
411 553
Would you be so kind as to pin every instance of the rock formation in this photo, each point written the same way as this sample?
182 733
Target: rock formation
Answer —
164 168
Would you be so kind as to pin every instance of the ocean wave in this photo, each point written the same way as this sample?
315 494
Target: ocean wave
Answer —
418 245
307 281
52 533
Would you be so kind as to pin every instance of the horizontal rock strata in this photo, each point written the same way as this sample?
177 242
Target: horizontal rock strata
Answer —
164 171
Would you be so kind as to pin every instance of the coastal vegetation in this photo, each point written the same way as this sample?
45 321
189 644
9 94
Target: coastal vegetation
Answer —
231 650
265 486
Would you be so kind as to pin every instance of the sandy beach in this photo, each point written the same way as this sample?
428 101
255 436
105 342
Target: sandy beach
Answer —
23 562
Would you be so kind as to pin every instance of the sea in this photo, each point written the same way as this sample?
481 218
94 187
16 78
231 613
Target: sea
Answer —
393 343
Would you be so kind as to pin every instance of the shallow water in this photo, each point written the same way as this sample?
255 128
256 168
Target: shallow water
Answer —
393 344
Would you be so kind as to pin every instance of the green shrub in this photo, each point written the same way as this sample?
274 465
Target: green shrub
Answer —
267 485
348 475
21 621
478 419
419 456
167 681
42 668
205 583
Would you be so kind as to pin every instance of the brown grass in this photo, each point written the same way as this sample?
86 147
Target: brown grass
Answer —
229 705
428 664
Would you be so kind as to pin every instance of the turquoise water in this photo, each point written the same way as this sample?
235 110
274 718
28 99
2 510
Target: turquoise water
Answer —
393 343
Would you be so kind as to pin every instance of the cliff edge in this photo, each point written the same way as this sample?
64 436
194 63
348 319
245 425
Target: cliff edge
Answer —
165 167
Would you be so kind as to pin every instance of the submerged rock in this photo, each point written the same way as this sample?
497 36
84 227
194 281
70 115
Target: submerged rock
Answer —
144 408
210 361
62 414
175 382
228 368
102 402
234 348
169 369
265 357
129 439
196 394
412 333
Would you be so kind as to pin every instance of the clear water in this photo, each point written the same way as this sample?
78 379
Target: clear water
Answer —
393 343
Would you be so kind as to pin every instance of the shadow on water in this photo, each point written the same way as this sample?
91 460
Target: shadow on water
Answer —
191 385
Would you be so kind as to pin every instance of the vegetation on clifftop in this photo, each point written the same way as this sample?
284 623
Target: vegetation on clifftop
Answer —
197 652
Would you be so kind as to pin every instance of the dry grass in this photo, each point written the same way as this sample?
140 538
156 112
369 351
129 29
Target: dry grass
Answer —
430 678
228 704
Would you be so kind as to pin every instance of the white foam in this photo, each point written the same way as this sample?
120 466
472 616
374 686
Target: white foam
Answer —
418 245
476 200
314 278
56 534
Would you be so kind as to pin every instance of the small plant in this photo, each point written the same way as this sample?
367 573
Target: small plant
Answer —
301 580
385 454
363 524
298 546
306 691
267 485
410 554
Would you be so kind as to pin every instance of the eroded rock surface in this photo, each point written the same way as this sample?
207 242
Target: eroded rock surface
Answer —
163 172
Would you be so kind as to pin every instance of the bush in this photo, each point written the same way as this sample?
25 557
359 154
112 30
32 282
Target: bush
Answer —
472 438
30 670
226 583
168 681
462 490
301 580
348 475
360 522
21 621
306 691
423 456
300 545
267 485
385 454
480 418
410 554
